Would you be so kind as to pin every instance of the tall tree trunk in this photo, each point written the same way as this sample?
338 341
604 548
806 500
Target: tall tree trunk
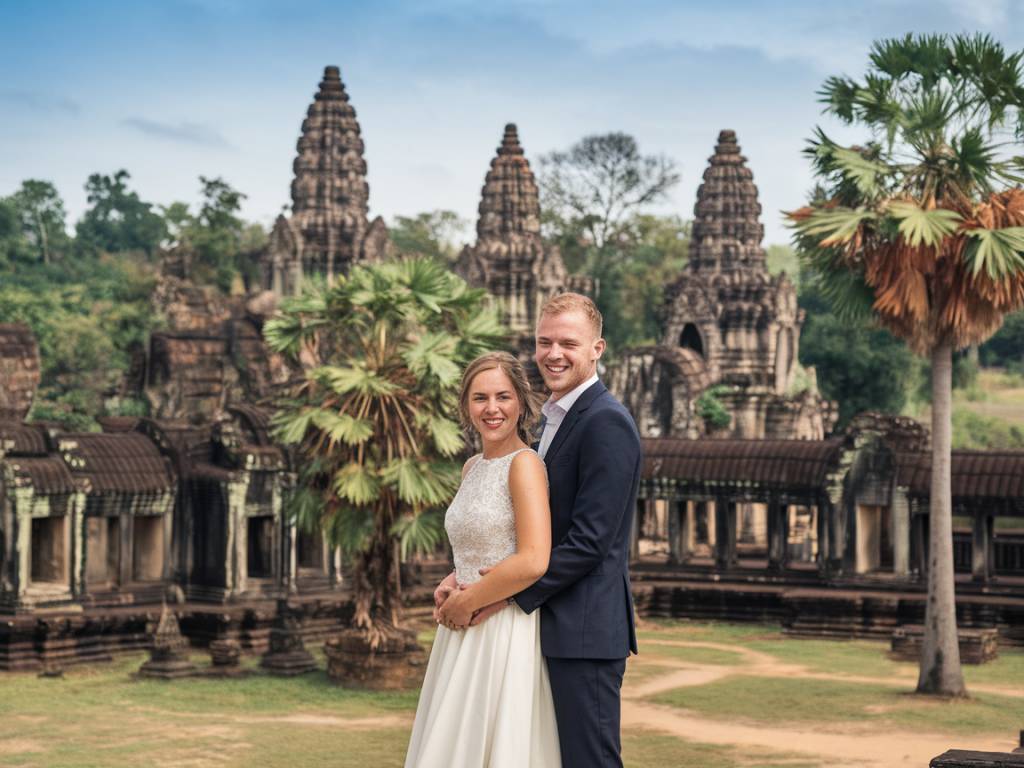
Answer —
940 655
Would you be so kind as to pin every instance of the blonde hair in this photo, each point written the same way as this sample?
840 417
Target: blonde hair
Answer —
575 302
511 367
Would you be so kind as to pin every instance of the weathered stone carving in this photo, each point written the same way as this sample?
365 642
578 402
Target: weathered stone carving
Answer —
287 655
329 229
168 658
740 321
19 371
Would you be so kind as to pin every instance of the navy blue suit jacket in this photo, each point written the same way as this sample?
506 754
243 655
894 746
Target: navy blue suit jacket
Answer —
593 472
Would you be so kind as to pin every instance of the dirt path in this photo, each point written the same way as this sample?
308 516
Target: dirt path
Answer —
891 749
760 664
852 746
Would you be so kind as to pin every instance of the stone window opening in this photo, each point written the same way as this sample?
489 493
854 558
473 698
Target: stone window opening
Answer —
309 550
690 339
148 548
260 540
49 550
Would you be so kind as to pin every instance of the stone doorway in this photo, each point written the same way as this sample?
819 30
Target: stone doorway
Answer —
260 540
49 550
874 540
102 550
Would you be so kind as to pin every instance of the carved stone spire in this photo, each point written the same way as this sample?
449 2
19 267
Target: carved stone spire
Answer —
510 204
727 229
330 195
509 258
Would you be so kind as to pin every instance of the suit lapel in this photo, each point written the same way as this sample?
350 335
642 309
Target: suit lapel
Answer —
582 403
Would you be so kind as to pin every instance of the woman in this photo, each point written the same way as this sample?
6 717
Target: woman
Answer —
486 700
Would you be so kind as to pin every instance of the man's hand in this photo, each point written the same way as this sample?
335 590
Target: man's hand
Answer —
487 611
456 612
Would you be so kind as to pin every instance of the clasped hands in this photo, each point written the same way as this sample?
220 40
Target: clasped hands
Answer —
453 606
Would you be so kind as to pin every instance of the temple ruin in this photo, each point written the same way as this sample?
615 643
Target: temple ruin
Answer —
181 515
510 259
731 329
329 227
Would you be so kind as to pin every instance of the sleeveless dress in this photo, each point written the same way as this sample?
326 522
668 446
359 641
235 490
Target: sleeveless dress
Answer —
486 700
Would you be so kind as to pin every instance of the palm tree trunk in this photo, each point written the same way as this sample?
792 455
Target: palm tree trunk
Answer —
940 655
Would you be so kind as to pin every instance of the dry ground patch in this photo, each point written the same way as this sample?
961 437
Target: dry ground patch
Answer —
708 695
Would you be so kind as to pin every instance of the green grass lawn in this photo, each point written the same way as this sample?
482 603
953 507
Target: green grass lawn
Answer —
813 702
101 716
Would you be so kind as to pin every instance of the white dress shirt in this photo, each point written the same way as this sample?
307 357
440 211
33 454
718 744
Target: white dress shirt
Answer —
556 410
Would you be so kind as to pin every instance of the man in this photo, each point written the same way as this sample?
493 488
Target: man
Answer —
592 451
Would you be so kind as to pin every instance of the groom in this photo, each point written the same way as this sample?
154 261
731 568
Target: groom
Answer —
592 451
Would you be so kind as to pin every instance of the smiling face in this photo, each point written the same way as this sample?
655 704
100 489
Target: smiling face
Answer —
567 351
493 406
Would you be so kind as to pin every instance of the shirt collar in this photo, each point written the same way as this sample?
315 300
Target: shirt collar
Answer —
562 405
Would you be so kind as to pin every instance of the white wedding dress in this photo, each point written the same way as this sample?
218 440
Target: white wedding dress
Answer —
486 699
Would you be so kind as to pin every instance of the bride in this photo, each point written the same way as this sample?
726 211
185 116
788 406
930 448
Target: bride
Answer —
486 700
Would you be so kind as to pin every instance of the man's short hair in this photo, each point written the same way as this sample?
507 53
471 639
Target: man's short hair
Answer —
574 302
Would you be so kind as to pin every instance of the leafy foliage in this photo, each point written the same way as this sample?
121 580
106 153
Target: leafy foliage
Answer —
918 228
599 183
118 220
433 234
712 410
858 364
37 230
383 349
913 224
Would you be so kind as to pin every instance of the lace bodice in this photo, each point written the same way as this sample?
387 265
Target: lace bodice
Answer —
480 521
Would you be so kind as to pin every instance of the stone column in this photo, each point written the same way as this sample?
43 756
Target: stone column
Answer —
778 534
900 511
981 547
634 531
725 533
678 531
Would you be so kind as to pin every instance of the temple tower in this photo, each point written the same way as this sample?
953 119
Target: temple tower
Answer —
729 324
510 259
329 228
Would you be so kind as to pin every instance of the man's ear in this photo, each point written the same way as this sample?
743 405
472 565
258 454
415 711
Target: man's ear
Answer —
599 347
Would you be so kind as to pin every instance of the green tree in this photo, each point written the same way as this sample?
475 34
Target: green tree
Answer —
383 350
598 184
40 211
919 230
859 365
434 234
1006 347
117 219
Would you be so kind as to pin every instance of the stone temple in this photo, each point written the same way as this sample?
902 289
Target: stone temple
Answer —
771 517
729 324
329 228
510 258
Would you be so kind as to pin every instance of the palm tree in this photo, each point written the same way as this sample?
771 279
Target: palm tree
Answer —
922 227
382 351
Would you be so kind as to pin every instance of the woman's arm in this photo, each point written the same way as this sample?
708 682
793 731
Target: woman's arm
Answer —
528 486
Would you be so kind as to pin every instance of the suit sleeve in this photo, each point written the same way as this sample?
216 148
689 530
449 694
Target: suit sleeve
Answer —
608 461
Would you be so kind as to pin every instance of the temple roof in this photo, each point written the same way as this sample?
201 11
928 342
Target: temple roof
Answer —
48 475
21 439
510 201
330 196
772 464
727 229
126 462
975 474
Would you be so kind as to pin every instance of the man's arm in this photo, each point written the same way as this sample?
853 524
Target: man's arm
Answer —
609 456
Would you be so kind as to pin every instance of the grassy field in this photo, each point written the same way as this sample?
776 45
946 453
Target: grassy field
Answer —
690 680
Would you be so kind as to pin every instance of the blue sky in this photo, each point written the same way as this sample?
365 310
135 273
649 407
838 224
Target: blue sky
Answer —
172 90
